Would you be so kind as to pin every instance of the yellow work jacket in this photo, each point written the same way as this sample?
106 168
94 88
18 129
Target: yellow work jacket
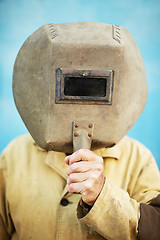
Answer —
35 205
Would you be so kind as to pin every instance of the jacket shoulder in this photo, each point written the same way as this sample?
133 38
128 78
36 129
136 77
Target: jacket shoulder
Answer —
132 144
21 144
133 148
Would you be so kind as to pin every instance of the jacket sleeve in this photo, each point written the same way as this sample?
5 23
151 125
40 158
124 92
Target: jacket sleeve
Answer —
6 225
119 215
114 215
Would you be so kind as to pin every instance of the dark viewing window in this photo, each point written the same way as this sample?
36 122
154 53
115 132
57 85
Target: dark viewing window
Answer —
84 86
79 86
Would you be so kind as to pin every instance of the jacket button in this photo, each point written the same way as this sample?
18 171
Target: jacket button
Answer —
64 202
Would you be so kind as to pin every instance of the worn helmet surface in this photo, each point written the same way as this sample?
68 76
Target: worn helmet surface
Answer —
79 74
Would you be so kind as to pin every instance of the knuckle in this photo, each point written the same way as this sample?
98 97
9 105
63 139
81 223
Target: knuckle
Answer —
100 159
83 152
94 177
99 165
71 188
89 186
71 177
75 167
80 151
72 167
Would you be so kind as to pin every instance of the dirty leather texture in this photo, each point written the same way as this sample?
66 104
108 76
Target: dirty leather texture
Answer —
149 223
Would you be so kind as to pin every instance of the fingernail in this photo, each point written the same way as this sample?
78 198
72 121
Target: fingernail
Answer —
66 160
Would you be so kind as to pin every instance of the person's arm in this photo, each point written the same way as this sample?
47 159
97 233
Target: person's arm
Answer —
6 225
115 214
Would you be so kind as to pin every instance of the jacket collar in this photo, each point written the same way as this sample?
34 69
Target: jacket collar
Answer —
55 160
113 152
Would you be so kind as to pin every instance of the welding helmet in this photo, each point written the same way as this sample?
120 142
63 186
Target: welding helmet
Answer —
79 78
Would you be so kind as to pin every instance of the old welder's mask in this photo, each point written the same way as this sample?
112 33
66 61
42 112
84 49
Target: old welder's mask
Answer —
79 85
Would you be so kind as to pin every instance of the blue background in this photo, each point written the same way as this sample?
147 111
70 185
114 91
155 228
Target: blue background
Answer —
19 18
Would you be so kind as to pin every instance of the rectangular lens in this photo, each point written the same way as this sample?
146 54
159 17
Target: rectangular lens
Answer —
79 86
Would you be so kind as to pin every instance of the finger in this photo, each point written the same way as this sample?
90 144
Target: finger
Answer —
76 188
84 166
81 177
67 160
77 177
85 188
84 155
